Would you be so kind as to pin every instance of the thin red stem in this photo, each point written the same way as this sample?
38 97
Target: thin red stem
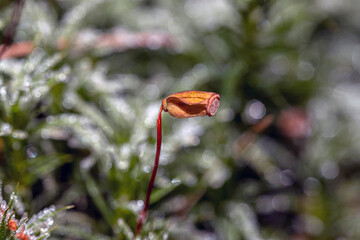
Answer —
143 213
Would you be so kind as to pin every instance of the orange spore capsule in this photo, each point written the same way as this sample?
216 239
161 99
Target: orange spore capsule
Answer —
189 104
12 225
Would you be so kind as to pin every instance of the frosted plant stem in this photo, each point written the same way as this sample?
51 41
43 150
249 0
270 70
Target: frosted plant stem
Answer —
143 213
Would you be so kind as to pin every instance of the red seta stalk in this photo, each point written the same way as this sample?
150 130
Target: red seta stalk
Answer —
143 213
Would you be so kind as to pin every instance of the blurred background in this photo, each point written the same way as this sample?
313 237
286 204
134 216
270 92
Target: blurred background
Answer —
80 91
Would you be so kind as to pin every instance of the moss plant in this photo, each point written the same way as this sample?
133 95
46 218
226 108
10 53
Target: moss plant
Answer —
184 104
37 227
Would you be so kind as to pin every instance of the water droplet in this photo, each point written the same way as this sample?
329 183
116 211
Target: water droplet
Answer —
52 208
19 134
3 93
140 203
264 204
329 170
154 42
279 65
50 119
16 145
68 103
312 186
13 197
87 163
305 71
31 152
254 111
8 188
147 169
313 225
151 91
280 202
49 222
61 77
226 115
166 236
176 181
257 110
287 177
136 205
3 205
5 129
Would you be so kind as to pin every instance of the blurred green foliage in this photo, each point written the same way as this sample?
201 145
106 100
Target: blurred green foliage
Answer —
278 161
